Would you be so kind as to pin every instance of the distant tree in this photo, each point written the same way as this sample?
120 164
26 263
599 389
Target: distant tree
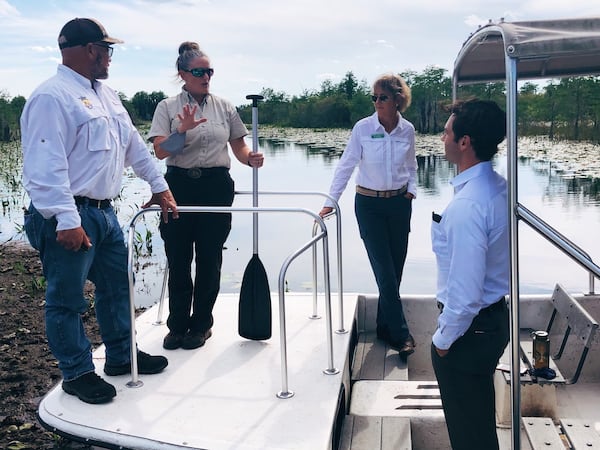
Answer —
144 104
348 86
568 108
10 114
430 90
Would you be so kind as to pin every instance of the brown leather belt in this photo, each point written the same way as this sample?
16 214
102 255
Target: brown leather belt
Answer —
381 194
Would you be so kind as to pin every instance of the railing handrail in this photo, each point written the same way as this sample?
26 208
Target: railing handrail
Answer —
285 392
563 243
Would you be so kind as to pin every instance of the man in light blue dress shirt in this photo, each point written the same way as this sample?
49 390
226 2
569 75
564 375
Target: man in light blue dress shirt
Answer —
470 241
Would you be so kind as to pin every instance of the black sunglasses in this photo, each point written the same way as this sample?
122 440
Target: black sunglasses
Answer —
108 48
200 72
382 97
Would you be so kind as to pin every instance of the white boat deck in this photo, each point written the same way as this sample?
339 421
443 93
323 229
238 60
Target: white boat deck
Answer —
222 395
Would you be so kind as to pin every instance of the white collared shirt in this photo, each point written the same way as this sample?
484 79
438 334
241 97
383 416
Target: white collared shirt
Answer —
386 161
471 246
76 141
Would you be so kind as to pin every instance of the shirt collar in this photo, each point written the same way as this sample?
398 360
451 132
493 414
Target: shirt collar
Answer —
475 171
377 127
77 77
192 100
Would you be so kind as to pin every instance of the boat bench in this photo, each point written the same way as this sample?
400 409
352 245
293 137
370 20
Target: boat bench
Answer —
577 323
574 434
538 395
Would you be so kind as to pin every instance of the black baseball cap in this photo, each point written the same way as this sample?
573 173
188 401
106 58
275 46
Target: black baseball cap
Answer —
84 31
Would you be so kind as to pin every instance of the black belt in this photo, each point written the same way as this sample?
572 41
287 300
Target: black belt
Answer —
496 305
197 172
86 201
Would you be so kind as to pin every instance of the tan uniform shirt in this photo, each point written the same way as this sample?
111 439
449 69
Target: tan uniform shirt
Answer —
206 144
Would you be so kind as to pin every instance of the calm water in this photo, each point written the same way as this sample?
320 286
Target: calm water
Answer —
569 204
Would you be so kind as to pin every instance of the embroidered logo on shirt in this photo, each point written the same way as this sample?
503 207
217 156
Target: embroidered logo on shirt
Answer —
377 136
86 102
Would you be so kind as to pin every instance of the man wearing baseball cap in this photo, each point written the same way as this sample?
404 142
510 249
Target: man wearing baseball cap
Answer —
78 32
77 138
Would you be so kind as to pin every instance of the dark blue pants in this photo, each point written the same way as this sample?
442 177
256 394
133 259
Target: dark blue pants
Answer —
384 225
191 301
466 380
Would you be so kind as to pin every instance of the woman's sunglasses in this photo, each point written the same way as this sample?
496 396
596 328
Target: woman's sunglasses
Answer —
382 98
200 72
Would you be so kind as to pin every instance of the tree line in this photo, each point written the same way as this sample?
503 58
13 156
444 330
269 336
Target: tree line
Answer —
568 108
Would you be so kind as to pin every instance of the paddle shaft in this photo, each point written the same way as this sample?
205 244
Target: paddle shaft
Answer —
255 99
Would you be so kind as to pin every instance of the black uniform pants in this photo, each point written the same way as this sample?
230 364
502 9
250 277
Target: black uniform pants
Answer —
466 379
191 302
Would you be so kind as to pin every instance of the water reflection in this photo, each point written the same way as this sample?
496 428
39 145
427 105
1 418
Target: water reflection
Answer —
569 204
433 173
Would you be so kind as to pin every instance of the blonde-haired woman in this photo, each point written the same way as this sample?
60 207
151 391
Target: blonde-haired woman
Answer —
383 147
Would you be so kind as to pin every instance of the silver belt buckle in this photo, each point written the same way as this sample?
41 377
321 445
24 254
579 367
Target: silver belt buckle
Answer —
194 172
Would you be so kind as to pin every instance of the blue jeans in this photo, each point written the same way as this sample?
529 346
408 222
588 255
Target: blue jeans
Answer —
105 264
384 225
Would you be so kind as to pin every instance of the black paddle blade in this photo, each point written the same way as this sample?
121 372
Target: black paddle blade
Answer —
254 321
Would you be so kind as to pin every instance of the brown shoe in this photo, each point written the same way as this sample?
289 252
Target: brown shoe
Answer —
408 347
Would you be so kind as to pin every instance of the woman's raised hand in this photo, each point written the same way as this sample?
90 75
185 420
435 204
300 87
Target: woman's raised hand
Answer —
188 118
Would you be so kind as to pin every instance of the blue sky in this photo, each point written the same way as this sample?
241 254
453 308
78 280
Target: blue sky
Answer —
288 46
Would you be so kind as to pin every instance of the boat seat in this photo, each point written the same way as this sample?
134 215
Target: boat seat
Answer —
579 323
571 320
538 395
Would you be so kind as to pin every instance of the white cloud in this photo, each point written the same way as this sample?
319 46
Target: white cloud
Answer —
43 49
287 46
6 9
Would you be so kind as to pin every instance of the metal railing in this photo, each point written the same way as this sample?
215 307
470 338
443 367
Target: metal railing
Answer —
567 247
336 212
316 237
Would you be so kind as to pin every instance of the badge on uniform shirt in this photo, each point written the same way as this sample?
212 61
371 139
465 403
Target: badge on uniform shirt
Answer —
377 136
86 102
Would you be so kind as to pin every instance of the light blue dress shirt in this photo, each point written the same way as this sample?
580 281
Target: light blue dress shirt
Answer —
471 246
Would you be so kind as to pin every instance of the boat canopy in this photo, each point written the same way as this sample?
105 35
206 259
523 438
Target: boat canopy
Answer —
543 49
